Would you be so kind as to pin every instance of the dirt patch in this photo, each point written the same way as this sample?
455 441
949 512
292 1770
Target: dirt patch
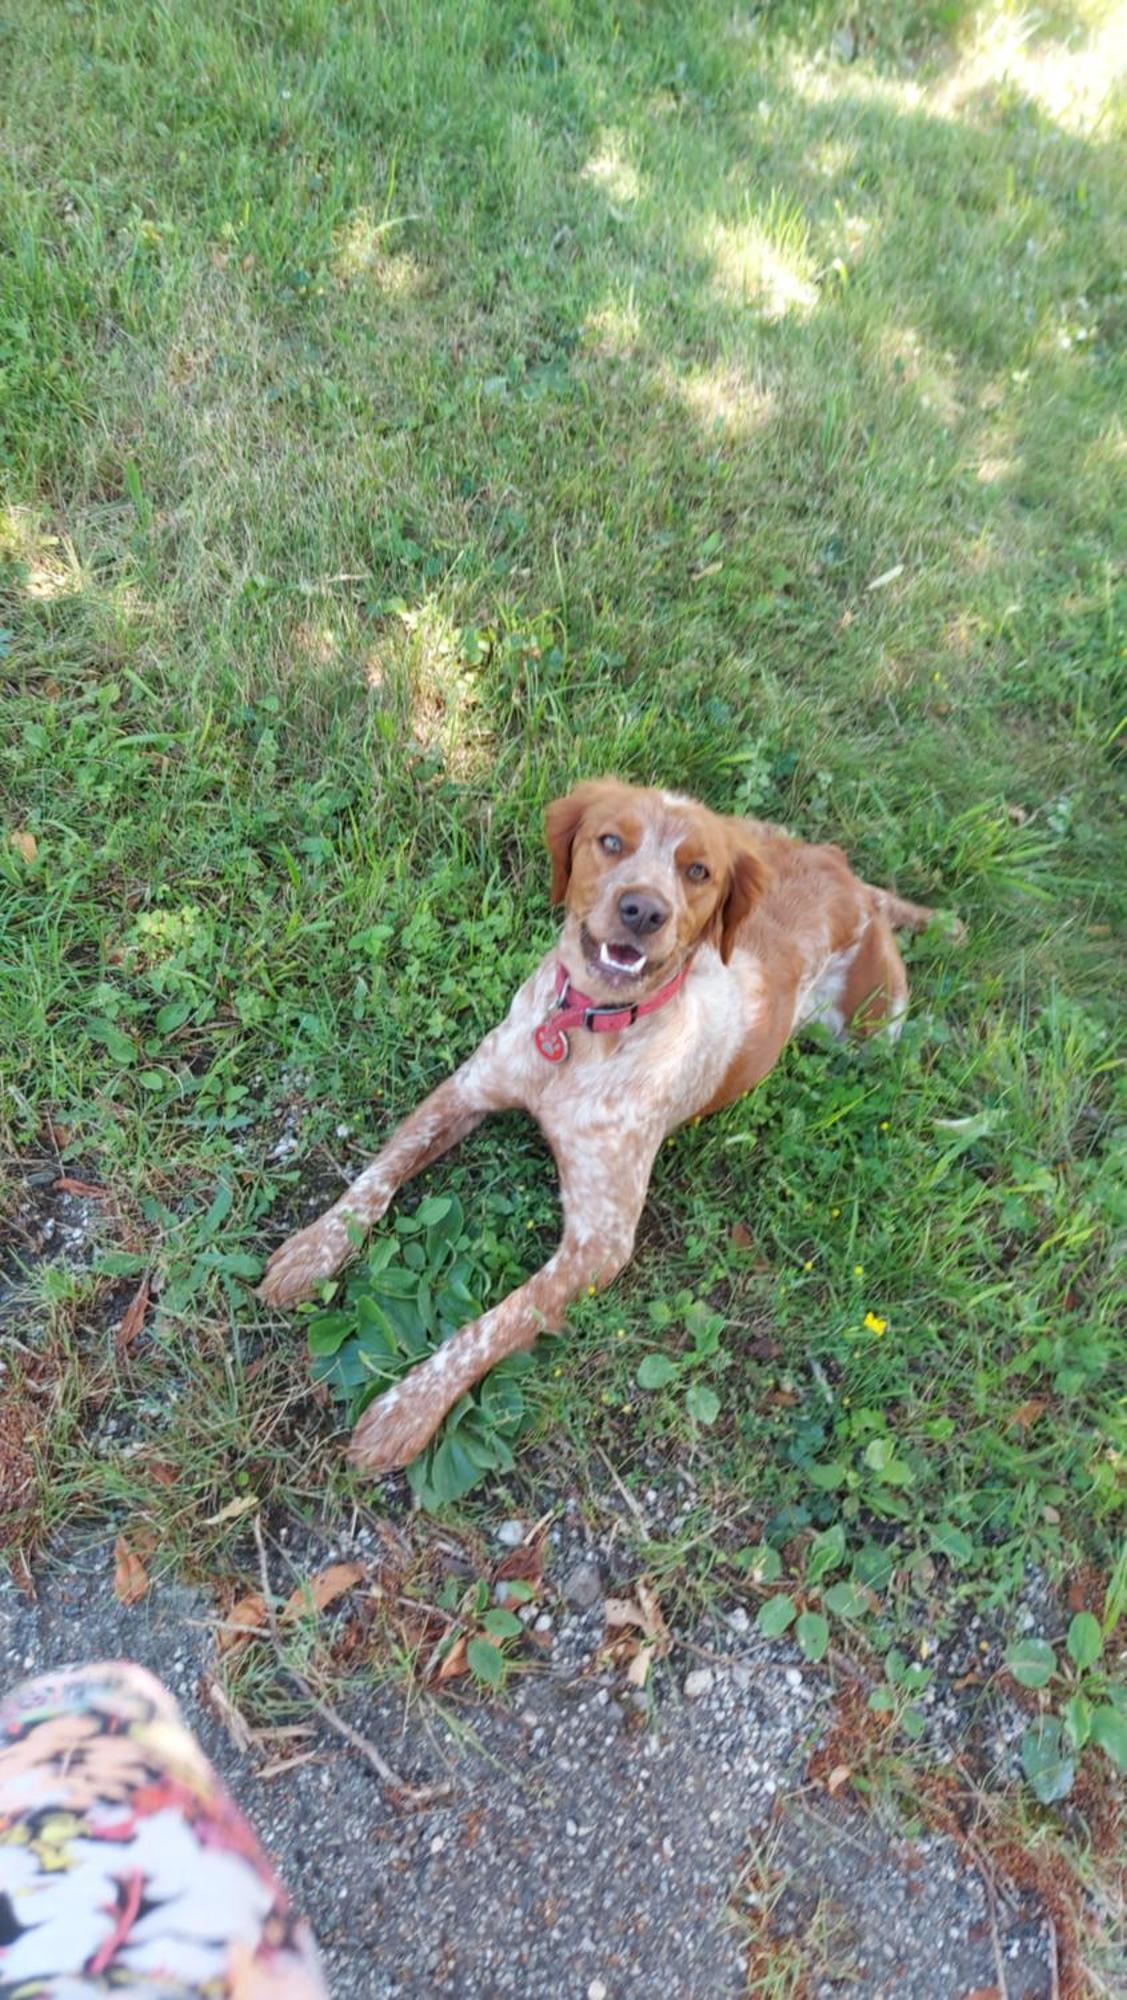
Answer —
18 1419
597 1839
49 1213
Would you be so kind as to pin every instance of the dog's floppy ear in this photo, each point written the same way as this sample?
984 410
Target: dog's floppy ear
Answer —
748 876
562 822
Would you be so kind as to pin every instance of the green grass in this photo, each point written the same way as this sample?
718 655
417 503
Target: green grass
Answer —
406 410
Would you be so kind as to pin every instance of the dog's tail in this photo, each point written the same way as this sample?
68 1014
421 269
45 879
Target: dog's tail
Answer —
905 916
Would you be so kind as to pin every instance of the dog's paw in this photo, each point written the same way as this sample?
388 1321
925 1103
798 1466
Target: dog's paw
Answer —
304 1260
394 1430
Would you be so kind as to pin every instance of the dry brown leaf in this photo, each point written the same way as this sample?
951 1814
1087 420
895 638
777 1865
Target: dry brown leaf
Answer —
281 1764
133 1319
623 1611
24 843
642 1610
984 1993
637 1673
1026 1414
245 1503
839 1776
243 1620
740 1236
455 1661
323 1589
655 1626
161 1472
524 1564
763 1348
130 1577
67 1184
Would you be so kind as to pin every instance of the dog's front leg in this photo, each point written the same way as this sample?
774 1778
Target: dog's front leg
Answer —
603 1184
443 1118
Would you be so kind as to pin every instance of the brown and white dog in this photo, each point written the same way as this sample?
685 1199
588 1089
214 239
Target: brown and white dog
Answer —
693 946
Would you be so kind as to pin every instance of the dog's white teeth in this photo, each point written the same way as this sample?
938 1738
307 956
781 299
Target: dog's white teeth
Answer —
613 964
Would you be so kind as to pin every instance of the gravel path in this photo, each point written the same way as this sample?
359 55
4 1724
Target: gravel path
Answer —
589 1851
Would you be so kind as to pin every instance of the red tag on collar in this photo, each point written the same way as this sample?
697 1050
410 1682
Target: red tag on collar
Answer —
552 1042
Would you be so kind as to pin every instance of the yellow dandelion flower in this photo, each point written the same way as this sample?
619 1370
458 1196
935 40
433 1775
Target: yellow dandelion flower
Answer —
886 1124
620 1333
591 1290
875 1324
809 1264
835 1211
858 1270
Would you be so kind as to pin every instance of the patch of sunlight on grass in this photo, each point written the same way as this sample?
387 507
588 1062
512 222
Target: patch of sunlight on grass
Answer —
910 360
610 169
763 263
832 157
360 251
614 328
814 83
50 563
722 398
962 636
993 467
316 642
1071 85
420 650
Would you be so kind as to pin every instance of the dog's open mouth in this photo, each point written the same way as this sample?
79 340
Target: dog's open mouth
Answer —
621 957
614 959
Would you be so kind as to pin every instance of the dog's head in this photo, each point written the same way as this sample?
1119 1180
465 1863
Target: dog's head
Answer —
646 877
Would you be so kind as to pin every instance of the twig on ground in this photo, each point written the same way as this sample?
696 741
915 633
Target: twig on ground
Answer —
631 1502
412 1795
1054 1962
235 1723
992 1910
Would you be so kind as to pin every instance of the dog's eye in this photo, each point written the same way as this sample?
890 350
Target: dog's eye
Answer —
610 843
697 871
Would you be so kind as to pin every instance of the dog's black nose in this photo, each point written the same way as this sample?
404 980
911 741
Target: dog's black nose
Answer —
643 915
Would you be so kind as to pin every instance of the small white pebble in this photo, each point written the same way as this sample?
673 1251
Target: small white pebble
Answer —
597 1990
698 1683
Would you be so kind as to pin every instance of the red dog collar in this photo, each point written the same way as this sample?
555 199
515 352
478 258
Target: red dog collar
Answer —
575 1010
